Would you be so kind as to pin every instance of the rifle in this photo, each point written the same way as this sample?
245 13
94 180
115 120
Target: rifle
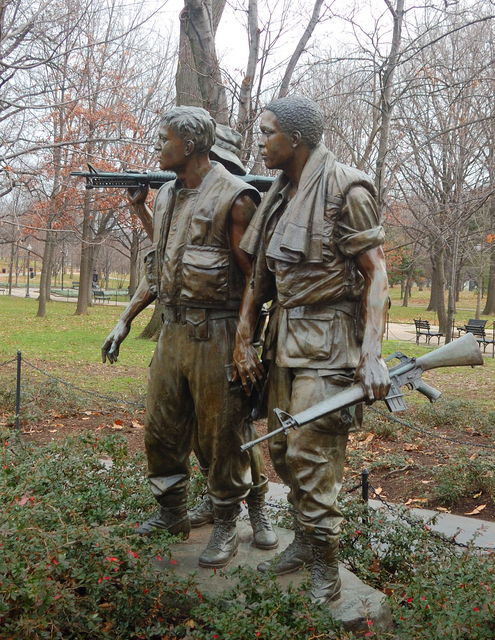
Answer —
463 352
96 179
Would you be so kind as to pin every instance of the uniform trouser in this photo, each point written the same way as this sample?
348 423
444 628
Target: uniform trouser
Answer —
310 460
190 402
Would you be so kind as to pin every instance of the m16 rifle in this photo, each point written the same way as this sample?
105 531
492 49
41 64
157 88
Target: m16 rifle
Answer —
96 179
462 352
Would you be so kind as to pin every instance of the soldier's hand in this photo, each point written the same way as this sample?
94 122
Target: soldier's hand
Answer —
137 195
248 367
111 346
372 374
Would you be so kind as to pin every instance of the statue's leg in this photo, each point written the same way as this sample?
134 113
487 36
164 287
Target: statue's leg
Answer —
316 456
168 433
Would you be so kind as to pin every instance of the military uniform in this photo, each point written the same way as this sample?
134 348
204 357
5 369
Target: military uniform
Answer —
190 401
314 335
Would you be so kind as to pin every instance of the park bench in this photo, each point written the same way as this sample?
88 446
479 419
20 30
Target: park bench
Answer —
423 328
2 289
480 334
473 323
99 294
75 284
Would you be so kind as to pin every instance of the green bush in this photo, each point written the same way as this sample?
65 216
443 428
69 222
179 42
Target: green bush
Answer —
457 413
464 476
72 568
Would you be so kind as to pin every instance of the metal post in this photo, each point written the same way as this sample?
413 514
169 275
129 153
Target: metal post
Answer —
365 485
18 392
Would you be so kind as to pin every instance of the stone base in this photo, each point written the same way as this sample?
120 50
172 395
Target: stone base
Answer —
358 602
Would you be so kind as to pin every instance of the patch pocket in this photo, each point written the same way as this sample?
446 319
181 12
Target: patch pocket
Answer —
200 228
309 337
150 270
205 274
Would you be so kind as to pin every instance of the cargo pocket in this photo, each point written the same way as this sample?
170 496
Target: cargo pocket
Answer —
309 336
150 270
197 324
205 275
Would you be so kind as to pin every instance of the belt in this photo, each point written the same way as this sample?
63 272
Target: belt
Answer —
180 315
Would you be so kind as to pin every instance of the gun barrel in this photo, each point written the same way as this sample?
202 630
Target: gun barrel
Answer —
346 398
155 179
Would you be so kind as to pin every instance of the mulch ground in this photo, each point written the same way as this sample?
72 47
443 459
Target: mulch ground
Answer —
408 484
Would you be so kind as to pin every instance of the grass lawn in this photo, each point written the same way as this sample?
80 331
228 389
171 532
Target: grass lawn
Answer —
71 344
419 301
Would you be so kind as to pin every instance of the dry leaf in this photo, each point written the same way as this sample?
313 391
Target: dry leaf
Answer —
190 623
410 447
473 456
52 431
477 495
411 500
88 413
136 424
476 510
443 509
84 418
117 424
378 491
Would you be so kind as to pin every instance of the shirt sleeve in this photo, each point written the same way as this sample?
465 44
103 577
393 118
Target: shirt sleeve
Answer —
359 226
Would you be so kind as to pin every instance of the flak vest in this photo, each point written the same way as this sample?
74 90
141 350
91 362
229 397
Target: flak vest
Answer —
191 262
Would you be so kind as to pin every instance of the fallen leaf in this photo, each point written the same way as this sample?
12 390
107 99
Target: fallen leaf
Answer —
410 447
84 418
378 491
52 430
411 500
477 495
476 510
136 424
117 424
88 413
473 456
443 509
190 623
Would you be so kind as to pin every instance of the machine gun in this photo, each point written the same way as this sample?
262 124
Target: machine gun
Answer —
96 179
463 352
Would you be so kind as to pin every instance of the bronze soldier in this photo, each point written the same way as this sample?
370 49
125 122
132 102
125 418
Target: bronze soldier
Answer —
317 238
197 271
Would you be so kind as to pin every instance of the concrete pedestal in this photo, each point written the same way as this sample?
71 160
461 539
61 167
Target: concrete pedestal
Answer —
358 604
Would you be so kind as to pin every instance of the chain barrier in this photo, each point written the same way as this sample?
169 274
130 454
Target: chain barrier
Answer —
414 523
392 418
86 391
4 364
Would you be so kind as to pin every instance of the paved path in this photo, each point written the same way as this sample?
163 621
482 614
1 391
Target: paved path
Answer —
461 528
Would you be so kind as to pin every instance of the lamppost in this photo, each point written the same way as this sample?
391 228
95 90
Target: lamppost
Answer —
28 274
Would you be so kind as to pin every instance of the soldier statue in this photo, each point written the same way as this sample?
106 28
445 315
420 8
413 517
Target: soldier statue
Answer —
317 241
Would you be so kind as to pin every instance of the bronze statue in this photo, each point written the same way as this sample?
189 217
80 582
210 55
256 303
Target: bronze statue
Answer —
317 240
196 270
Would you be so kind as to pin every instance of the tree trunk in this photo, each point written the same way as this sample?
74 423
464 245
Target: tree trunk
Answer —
133 267
85 264
489 309
152 330
197 18
45 275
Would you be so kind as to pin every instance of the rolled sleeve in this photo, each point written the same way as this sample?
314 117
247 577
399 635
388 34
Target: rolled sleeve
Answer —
359 226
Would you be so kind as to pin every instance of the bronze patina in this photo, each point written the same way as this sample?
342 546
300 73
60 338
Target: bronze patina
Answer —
196 270
317 239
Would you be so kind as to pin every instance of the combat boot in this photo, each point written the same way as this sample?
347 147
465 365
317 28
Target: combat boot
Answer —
172 519
264 537
325 580
223 542
295 556
202 513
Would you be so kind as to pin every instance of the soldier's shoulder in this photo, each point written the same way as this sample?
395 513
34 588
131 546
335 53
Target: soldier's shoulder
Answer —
235 183
348 177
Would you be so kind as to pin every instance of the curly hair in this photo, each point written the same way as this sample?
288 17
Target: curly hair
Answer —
297 113
192 123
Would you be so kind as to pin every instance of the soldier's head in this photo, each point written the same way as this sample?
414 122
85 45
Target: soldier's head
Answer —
184 131
289 126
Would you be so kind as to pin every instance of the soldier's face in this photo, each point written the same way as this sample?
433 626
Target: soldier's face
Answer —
276 147
171 149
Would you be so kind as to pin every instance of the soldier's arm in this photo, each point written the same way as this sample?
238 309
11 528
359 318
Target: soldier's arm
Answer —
140 300
248 366
372 371
137 199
